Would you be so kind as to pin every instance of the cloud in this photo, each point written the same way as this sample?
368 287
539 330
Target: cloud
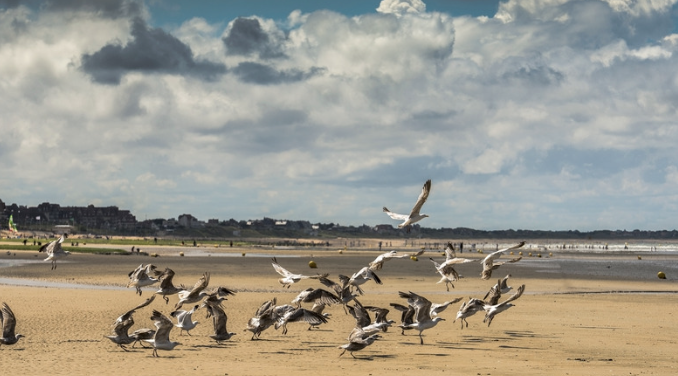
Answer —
151 51
549 115
400 7
266 75
101 8
246 36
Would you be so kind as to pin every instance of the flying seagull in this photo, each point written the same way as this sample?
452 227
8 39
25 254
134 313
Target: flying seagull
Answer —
378 262
160 340
185 320
290 278
422 313
54 251
493 310
489 263
414 215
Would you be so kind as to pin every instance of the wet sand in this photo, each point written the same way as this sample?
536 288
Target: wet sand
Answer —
581 314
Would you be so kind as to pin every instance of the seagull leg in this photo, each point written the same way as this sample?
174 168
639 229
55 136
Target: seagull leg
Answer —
166 299
421 338
353 355
342 353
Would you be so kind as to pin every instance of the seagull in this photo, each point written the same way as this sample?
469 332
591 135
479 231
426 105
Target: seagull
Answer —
469 309
141 335
263 318
447 274
489 263
361 276
288 277
316 295
185 320
436 308
141 277
378 262
342 290
160 340
357 341
501 287
493 310
363 321
414 215
122 337
54 251
215 298
167 286
318 307
422 313
8 321
123 323
300 314
406 316
195 294
219 319
451 256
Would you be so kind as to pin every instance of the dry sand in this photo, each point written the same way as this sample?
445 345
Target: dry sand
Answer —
567 323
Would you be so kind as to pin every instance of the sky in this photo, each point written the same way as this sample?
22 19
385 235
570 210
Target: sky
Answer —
540 115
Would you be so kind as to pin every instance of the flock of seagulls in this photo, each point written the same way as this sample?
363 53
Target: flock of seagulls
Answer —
419 314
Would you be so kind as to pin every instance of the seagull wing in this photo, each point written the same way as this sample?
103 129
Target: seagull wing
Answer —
52 246
450 252
163 324
8 321
219 319
515 296
396 216
422 198
166 279
282 271
322 296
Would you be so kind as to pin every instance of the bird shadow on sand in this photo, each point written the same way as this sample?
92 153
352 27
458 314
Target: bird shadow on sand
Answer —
212 346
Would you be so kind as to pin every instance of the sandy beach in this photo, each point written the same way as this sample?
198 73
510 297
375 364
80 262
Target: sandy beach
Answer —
581 314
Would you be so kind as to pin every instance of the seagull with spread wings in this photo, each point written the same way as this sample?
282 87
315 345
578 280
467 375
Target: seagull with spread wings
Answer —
185 319
219 320
160 340
123 323
167 286
195 294
54 251
414 215
489 263
290 278
378 262
143 275
422 313
492 310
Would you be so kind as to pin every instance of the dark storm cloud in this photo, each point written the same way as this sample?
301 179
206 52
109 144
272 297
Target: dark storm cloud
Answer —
150 50
9 4
246 37
265 75
102 8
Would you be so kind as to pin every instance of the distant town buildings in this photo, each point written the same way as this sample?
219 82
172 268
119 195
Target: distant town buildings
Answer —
112 220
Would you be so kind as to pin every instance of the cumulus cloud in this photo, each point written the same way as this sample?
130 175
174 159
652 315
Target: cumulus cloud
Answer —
551 114
246 36
400 7
150 50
